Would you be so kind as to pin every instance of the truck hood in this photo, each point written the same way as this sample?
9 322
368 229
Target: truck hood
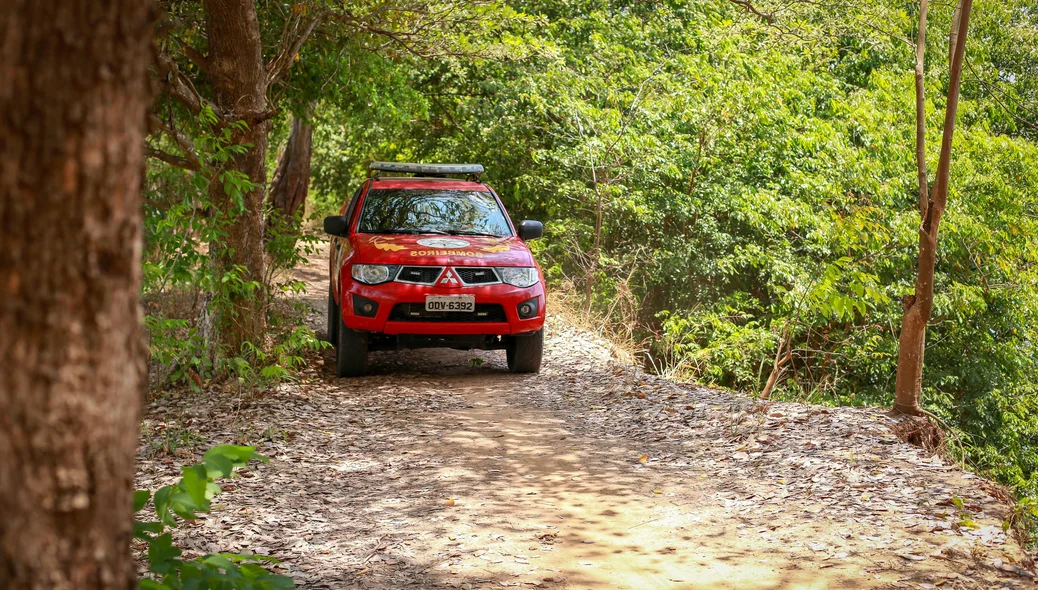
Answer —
441 250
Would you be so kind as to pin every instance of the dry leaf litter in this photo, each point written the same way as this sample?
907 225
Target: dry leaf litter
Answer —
441 471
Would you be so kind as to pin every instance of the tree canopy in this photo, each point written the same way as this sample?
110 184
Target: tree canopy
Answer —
731 184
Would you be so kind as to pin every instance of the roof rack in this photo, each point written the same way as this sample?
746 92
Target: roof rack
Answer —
436 170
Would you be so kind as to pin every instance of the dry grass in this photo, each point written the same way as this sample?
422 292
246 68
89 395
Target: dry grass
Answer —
567 304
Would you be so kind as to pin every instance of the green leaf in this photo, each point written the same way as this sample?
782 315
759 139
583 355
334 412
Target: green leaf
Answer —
184 506
220 461
162 499
141 529
140 498
211 490
161 553
218 466
194 483
221 562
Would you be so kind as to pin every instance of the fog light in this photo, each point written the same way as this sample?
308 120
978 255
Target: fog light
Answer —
363 306
528 309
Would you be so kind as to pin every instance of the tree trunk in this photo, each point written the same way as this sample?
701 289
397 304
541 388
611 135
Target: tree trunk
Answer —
918 308
779 368
239 81
292 177
596 249
920 109
74 94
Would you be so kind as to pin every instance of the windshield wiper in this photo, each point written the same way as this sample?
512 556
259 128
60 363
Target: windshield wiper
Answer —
410 232
458 232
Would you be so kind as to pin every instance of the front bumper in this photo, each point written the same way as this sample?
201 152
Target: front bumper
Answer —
388 295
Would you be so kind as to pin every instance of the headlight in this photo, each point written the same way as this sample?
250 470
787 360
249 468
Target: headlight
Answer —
373 274
518 276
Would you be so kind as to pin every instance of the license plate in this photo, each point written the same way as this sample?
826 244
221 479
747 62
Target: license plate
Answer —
450 303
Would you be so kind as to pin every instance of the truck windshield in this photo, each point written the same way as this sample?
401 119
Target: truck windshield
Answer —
430 211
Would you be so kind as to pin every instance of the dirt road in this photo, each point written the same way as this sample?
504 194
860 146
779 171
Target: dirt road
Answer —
442 470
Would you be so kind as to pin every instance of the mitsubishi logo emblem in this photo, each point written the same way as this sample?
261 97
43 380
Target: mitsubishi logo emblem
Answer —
448 278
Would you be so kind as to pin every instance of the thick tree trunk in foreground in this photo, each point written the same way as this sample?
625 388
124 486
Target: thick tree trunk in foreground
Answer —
73 100
239 81
292 178
918 308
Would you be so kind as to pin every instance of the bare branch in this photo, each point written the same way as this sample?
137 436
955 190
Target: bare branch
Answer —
179 86
995 95
281 64
194 56
775 18
170 159
634 104
190 159
750 8
414 40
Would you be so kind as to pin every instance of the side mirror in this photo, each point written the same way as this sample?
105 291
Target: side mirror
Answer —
530 230
335 225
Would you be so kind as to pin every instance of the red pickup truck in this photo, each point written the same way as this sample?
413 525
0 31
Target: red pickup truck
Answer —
432 261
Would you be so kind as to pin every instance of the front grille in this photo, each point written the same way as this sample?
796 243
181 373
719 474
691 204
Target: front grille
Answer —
476 275
415 312
425 275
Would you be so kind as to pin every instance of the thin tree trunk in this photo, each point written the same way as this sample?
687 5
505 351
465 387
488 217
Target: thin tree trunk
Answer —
779 368
239 80
918 308
596 250
291 180
74 94
953 34
920 109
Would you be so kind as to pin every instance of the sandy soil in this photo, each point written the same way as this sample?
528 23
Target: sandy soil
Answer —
442 470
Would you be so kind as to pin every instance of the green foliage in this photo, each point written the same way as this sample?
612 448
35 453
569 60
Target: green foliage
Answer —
184 290
314 48
185 499
752 185
713 185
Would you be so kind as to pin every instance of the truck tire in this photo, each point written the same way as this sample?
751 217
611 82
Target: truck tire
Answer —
524 352
333 318
351 356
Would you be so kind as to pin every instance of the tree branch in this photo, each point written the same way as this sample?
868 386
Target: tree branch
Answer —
413 40
179 86
195 56
170 159
190 159
281 64
750 8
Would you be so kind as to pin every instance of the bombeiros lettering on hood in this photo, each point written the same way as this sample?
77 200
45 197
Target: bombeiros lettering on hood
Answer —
446 253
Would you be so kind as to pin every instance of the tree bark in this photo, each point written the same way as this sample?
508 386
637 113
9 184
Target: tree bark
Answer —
918 308
239 82
291 180
920 109
74 96
953 34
